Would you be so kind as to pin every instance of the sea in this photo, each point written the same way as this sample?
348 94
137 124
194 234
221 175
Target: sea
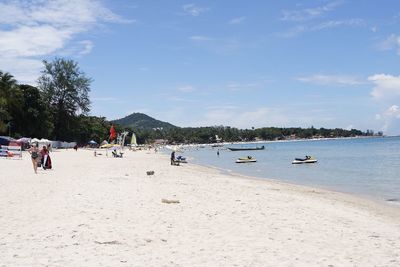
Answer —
367 167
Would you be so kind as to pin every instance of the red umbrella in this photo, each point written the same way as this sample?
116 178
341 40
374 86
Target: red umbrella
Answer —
112 132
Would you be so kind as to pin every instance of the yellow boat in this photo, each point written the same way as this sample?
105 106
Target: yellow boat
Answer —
109 145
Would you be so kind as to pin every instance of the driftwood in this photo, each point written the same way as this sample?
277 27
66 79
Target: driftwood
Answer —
169 201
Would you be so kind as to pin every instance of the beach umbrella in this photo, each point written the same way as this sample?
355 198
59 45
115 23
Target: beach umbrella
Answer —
5 140
35 140
24 140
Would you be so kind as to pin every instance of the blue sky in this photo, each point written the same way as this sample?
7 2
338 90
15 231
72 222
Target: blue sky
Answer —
237 63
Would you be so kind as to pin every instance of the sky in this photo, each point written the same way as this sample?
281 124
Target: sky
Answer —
236 63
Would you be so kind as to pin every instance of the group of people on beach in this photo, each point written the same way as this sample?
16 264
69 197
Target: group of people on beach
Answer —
40 157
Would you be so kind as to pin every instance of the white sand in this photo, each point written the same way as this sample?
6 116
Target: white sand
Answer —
107 212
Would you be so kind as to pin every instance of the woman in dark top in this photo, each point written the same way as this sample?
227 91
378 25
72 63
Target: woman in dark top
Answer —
34 151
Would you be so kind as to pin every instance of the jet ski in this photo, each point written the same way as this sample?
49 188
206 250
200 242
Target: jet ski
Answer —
181 159
247 159
307 159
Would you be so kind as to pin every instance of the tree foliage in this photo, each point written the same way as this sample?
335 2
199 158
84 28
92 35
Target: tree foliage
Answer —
203 135
9 98
66 89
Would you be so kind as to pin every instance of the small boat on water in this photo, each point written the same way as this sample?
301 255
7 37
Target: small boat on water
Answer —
247 159
307 159
217 145
246 148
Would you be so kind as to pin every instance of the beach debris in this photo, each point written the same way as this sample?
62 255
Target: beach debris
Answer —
150 172
170 201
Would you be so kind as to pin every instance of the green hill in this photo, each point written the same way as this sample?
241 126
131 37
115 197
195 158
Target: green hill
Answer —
142 121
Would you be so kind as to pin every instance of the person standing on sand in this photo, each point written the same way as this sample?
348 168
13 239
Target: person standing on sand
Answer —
34 151
173 158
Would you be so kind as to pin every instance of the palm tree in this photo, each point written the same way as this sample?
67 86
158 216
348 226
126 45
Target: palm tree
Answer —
7 85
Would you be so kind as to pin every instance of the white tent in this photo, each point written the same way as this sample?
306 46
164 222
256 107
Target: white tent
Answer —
42 142
34 140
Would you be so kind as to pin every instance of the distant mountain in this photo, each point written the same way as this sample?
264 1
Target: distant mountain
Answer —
142 121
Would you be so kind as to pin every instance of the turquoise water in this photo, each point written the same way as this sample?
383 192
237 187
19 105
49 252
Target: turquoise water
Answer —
366 166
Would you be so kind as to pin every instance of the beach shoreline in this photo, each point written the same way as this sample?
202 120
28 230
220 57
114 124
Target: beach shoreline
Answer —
103 210
365 167
381 202
365 201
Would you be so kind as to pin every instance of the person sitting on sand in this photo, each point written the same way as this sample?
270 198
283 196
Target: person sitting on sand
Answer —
34 151
116 155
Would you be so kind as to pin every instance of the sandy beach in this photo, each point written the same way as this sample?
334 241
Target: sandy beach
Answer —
103 211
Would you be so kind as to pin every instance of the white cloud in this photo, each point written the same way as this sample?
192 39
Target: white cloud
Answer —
32 30
341 80
390 118
392 42
387 89
386 86
193 10
238 20
393 111
24 69
299 29
338 23
309 13
87 47
27 41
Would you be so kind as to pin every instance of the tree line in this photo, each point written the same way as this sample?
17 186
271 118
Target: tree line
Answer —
58 109
202 135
